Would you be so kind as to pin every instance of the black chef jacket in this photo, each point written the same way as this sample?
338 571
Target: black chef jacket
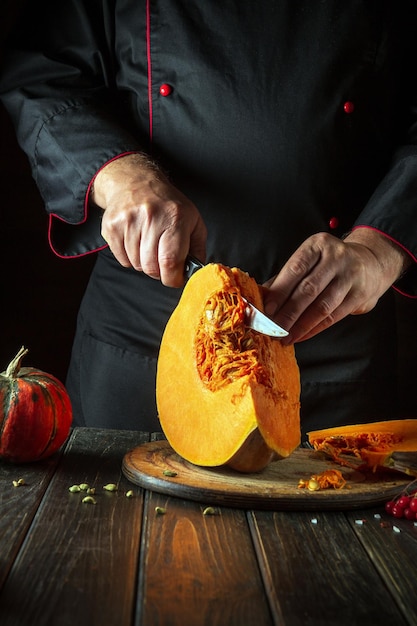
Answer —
279 119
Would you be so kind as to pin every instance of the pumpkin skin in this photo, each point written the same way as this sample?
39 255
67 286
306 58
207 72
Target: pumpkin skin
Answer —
220 406
372 443
35 413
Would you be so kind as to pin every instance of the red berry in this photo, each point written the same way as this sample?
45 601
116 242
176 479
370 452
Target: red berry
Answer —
403 501
389 506
397 511
409 514
413 504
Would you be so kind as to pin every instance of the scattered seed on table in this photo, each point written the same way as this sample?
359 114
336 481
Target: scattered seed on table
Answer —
110 487
19 482
74 489
89 500
129 494
159 510
209 510
84 486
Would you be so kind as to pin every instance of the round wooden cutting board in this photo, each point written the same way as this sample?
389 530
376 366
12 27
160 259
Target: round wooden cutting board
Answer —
275 488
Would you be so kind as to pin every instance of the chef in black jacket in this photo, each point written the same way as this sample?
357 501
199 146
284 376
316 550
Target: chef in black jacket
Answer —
276 136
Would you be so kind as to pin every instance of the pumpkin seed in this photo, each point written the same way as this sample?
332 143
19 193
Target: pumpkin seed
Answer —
313 485
168 472
89 500
84 486
159 510
129 494
209 510
248 343
91 491
75 489
110 487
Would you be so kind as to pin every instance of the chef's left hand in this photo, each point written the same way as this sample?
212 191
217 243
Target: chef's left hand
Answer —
327 279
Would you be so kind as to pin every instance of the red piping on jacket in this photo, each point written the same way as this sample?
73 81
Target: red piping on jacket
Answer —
86 199
68 256
148 55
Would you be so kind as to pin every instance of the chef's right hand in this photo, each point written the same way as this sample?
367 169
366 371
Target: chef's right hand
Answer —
147 222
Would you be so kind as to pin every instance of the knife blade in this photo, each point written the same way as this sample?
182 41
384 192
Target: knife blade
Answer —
254 318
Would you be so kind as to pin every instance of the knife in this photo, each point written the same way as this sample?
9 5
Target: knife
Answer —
254 318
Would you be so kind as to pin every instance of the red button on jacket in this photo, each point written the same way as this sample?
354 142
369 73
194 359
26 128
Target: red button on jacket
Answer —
165 89
348 107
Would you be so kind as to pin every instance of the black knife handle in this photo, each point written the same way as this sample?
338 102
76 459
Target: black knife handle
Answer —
191 266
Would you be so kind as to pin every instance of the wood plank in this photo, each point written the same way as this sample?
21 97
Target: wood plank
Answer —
392 545
18 505
276 487
318 573
198 569
79 563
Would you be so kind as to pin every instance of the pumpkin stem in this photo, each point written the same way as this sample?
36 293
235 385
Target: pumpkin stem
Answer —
14 365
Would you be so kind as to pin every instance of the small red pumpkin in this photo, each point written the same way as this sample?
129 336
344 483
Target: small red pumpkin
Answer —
35 413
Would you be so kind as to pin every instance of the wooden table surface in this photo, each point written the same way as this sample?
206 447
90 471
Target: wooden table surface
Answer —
120 563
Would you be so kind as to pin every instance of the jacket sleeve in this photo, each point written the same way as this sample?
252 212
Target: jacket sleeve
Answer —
57 86
392 208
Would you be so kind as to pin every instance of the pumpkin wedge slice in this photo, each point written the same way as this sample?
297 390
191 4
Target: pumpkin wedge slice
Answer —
372 444
225 394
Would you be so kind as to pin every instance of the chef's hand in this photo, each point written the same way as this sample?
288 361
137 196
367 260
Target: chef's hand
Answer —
147 222
327 279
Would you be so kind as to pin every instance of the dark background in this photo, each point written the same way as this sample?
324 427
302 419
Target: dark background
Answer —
40 293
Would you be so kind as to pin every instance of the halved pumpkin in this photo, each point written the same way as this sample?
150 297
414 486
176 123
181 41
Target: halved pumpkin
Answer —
372 443
225 393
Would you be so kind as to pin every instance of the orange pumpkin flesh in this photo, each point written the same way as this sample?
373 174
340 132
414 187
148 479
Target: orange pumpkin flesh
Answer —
225 394
372 443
